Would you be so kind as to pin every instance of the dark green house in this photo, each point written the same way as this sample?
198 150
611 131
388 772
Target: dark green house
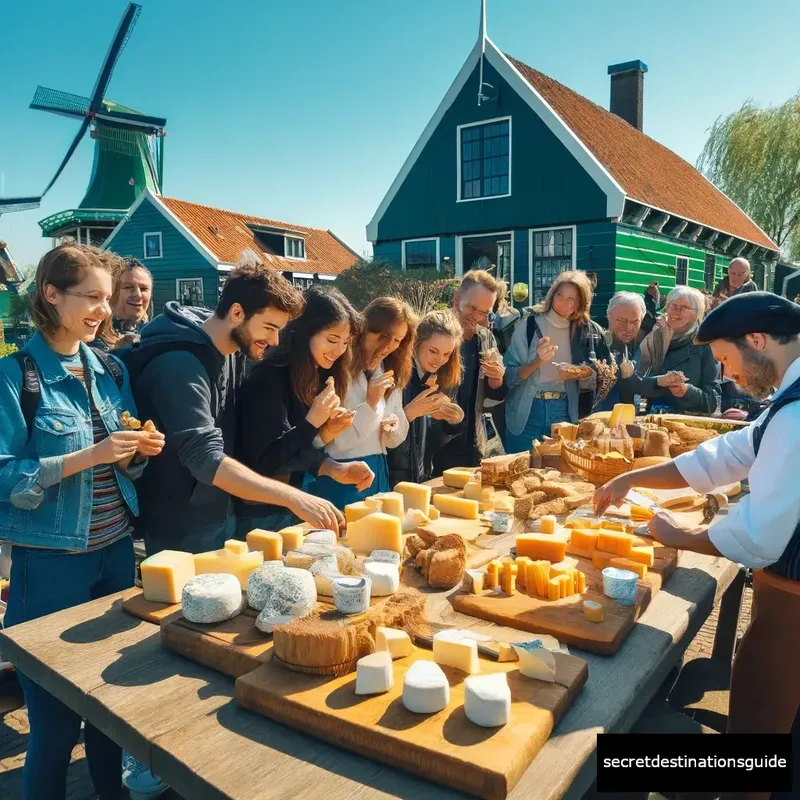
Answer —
516 171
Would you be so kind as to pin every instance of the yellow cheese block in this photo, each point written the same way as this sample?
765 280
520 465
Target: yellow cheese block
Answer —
292 537
236 546
622 414
563 567
458 477
268 542
474 490
392 503
456 506
593 611
493 570
165 574
415 495
509 577
503 502
547 524
644 555
377 531
541 546
356 511
227 562
433 513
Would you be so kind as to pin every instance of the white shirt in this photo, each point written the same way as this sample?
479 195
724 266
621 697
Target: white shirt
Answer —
364 436
757 529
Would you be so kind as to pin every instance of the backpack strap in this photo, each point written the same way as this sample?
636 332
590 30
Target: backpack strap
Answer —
533 328
111 364
31 390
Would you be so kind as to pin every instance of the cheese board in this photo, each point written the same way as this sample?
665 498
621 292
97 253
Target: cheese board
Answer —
148 611
444 747
468 529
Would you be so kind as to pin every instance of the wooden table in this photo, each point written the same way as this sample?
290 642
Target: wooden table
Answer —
181 719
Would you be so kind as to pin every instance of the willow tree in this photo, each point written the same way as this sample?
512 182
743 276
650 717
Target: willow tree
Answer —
753 155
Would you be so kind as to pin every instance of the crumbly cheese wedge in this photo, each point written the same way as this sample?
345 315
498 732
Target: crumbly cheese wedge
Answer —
378 531
452 648
392 503
165 574
415 496
433 513
456 506
536 661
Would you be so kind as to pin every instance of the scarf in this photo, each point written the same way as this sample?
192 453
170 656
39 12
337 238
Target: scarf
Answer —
659 342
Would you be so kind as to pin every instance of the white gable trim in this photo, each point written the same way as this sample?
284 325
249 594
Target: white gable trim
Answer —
171 217
614 192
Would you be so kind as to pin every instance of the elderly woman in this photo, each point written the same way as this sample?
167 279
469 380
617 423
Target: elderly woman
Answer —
543 385
625 313
673 373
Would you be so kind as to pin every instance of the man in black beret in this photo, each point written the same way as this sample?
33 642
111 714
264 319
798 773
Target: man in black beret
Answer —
756 337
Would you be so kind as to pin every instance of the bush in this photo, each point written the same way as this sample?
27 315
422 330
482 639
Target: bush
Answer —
7 349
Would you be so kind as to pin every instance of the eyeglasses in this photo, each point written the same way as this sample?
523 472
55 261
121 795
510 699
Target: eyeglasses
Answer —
94 301
679 309
630 323
489 316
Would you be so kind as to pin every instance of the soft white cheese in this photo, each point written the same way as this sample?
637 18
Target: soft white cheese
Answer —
293 595
425 688
211 597
384 577
374 673
487 700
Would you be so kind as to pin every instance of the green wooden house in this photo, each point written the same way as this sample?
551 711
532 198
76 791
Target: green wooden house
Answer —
190 248
517 172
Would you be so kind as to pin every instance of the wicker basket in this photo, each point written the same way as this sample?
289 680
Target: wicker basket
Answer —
592 469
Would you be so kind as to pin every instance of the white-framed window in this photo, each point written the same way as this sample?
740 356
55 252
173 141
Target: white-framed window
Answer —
484 159
302 283
421 253
294 247
552 251
189 291
681 270
151 245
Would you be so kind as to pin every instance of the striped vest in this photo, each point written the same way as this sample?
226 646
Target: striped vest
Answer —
788 565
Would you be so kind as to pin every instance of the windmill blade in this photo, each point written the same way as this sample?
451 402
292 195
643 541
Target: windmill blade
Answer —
117 44
58 102
75 142
132 121
9 205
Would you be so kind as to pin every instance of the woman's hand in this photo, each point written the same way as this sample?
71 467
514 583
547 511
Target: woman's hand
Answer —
338 422
667 380
378 386
116 447
389 424
426 403
353 473
151 443
545 350
612 493
322 407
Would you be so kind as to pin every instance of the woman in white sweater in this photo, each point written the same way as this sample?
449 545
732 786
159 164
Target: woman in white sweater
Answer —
382 364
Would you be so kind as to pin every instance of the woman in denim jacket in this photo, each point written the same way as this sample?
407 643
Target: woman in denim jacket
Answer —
66 496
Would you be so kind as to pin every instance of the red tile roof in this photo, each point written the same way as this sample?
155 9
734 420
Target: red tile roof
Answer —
647 171
226 234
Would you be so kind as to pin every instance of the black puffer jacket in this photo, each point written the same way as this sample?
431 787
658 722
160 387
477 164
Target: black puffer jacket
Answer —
413 459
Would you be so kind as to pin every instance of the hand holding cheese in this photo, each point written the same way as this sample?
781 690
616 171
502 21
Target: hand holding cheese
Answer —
322 407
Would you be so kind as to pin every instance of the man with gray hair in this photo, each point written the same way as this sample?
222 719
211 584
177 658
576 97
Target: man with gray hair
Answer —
737 281
625 313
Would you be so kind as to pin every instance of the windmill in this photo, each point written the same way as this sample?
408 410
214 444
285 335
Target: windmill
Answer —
128 156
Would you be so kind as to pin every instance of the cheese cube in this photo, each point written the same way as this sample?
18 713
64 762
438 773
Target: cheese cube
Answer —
493 574
456 506
237 547
541 546
563 567
547 524
268 542
584 539
522 571
397 642
554 588
165 574
292 537
503 502
622 414
644 555
474 580
356 511
593 611
377 531
392 503
475 490
224 561
452 648
614 542
580 582
433 513
458 477
415 495
569 583
509 578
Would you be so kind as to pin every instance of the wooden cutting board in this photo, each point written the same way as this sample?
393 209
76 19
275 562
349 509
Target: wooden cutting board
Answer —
156 613
444 747
469 529
564 618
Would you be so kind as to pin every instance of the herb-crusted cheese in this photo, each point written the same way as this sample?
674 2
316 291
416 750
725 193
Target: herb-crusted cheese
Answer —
211 597
293 594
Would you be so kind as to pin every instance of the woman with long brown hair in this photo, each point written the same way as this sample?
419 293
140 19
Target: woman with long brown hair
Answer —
289 408
558 334
381 369
427 399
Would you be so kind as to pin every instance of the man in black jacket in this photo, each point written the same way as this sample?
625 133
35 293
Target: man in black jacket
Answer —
482 389
736 282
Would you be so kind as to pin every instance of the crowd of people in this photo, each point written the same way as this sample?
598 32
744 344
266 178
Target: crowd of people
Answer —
276 407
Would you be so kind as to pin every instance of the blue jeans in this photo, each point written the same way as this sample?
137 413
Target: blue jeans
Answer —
544 414
43 582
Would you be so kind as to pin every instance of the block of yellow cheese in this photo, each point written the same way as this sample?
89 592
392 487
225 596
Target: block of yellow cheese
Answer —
456 506
236 546
377 531
522 571
355 511
563 567
493 570
503 502
584 539
508 579
415 495
165 574
644 555
392 503
433 513
268 542
547 524
541 546
475 490
622 414
614 542
224 561
458 477
292 537
633 566
593 611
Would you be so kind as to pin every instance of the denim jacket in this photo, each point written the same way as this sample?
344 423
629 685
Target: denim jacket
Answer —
37 507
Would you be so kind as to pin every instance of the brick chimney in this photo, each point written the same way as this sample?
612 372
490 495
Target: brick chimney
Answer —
627 91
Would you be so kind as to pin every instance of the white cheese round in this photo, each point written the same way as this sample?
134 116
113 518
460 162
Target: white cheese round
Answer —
351 595
374 673
487 700
425 688
211 597
387 556
321 536
384 578
293 595
259 584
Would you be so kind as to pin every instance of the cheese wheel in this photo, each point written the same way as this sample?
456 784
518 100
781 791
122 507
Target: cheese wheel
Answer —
259 584
211 597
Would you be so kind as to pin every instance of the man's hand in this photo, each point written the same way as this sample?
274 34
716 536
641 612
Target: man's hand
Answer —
669 529
612 493
353 473
679 389
667 380
495 372
320 513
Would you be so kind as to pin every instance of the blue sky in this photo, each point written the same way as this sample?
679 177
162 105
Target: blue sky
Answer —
304 111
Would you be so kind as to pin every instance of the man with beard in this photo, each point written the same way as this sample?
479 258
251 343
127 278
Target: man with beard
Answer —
185 374
755 336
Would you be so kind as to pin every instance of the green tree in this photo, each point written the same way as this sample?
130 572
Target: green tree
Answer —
753 155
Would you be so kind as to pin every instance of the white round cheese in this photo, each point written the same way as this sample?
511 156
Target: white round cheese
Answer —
293 595
387 556
487 700
425 688
259 584
351 595
384 578
321 536
374 673
212 597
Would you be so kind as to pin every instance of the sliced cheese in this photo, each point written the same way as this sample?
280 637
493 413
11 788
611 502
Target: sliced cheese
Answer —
541 546
475 490
456 506
622 414
452 648
508 579
457 477
236 547
493 569
292 537
415 496
396 642
522 571
374 673
224 561
413 519
487 700
474 580
268 542
377 531
425 688
165 574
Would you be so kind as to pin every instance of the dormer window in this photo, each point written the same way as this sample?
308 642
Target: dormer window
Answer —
295 248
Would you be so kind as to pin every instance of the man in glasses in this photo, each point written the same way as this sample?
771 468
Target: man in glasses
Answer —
482 389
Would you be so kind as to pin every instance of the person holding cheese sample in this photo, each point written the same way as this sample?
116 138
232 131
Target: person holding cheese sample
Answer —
756 337
432 416
381 369
289 407
66 494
